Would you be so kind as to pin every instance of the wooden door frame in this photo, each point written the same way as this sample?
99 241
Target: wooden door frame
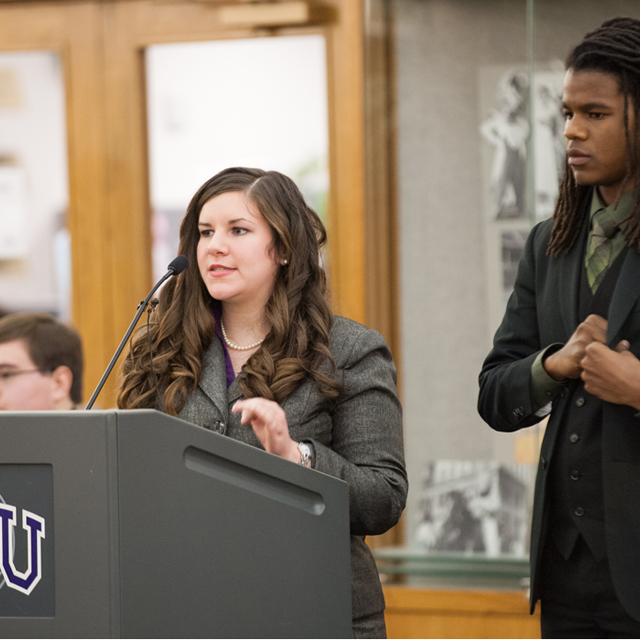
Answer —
361 225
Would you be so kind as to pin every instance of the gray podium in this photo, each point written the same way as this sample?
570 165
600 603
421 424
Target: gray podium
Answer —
136 524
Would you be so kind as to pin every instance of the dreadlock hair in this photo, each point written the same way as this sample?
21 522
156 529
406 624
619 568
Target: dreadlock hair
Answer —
612 48
296 348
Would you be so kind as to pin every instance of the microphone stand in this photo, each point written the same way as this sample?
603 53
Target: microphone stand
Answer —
141 307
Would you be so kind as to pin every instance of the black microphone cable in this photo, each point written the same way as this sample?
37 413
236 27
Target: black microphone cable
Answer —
152 307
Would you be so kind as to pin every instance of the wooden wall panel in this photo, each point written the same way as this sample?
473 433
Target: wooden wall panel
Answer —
380 204
347 201
432 613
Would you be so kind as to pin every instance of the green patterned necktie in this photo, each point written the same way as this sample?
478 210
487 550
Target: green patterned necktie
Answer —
598 257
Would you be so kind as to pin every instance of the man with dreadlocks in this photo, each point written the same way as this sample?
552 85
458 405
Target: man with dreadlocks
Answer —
568 346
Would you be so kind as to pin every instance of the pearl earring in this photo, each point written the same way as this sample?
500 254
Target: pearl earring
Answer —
285 261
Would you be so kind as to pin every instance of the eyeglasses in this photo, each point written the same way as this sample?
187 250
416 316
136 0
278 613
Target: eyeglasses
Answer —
6 376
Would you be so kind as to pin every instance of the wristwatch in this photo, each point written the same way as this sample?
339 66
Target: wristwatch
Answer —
306 453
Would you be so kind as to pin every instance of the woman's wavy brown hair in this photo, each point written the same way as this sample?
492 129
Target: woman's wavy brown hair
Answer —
183 326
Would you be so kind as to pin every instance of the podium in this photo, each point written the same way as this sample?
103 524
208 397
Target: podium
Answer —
137 524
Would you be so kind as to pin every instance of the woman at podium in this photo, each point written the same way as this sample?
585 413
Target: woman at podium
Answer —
243 342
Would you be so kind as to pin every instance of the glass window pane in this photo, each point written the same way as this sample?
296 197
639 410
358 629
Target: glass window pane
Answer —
35 248
255 102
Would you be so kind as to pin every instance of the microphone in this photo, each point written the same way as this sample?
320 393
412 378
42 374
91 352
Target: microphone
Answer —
176 266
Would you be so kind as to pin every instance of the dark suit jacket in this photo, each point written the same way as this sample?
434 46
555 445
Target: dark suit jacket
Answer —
357 437
542 310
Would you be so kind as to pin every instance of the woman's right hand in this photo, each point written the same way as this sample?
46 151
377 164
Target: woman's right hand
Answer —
269 423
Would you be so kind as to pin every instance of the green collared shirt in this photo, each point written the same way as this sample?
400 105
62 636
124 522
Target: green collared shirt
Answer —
542 386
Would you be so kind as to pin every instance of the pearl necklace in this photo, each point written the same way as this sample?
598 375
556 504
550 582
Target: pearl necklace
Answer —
232 345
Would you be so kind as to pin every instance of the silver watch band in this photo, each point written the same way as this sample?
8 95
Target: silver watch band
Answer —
305 453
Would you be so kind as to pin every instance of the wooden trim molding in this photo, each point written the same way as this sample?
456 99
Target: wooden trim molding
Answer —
274 14
381 289
455 613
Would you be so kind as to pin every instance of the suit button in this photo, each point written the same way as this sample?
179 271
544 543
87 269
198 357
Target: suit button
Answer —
574 437
580 401
217 426
575 474
579 511
563 393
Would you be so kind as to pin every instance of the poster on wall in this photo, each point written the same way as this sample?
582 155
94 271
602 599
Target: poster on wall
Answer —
13 214
513 241
474 508
523 153
506 129
548 140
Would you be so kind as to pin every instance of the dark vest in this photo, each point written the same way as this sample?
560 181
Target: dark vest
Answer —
577 499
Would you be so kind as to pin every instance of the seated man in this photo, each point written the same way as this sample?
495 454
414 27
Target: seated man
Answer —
40 364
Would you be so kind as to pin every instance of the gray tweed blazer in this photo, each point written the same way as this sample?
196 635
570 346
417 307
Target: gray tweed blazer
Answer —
357 437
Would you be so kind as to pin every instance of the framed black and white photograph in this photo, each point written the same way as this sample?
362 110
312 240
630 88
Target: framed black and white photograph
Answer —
475 508
521 128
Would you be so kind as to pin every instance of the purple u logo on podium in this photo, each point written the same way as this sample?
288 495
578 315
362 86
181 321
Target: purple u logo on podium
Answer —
21 581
